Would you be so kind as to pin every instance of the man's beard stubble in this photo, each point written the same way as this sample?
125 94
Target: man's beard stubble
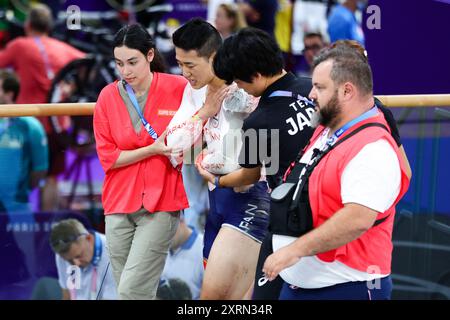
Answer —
328 114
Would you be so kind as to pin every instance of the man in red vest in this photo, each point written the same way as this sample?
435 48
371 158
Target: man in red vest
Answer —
358 176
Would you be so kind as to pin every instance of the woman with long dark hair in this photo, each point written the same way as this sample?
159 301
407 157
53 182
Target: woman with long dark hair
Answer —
142 192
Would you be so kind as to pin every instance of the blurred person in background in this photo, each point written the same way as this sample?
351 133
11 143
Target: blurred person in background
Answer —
260 14
23 154
23 164
37 58
343 23
185 258
82 261
313 42
196 191
212 6
229 19
173 289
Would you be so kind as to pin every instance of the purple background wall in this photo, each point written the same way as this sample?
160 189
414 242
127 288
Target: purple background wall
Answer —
410 54
411 51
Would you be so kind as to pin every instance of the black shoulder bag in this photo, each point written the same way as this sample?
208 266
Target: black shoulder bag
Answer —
290 210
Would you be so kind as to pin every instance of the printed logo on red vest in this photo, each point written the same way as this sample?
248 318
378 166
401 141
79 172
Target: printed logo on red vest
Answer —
166 112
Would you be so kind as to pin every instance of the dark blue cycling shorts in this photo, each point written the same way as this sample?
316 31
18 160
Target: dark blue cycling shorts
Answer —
247 212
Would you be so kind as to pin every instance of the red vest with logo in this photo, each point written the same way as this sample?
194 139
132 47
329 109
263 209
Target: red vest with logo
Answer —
151 182
371 252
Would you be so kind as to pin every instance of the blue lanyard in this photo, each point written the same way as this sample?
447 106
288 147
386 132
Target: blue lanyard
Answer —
97 250
145 123
95 261
332 140
48 69
290 94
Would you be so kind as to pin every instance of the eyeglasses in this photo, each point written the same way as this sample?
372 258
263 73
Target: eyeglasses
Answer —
68 240
314 47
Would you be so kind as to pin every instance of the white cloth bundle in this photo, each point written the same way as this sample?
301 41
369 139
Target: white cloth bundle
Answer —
223 133
183 131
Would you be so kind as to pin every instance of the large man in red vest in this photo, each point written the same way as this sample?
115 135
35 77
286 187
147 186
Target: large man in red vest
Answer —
352 191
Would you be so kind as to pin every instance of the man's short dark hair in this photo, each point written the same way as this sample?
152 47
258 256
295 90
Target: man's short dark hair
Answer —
198 35
246 53
40 18
10 83
313 35
348 65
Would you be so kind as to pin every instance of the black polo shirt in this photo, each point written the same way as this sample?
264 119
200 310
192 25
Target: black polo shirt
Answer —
287 116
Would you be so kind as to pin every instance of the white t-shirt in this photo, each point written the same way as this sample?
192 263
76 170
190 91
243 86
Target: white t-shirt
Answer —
105 284
191 102
372 179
